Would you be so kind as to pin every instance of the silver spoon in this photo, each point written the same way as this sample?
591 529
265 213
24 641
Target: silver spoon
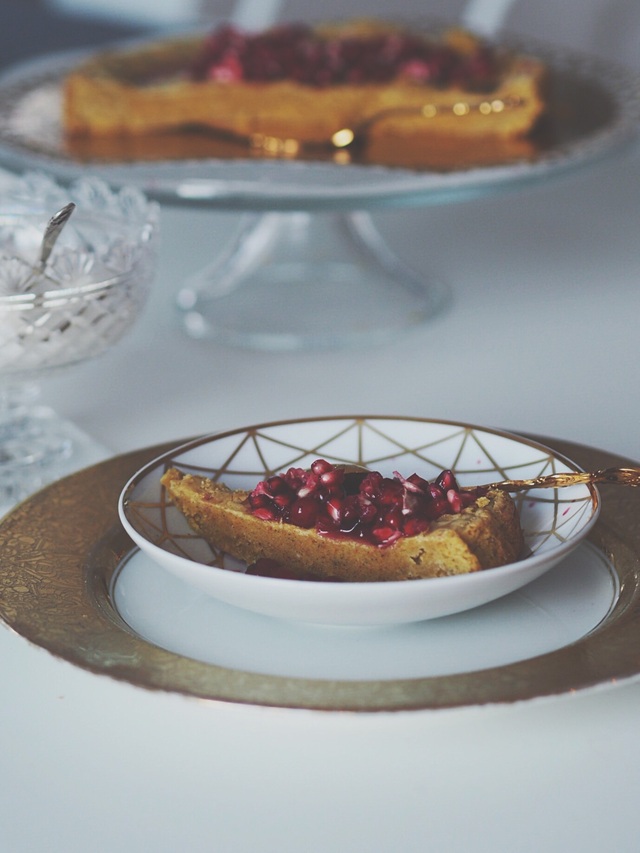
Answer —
37 276
52 232
21 275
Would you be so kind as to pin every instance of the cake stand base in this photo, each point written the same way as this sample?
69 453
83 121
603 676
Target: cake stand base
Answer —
300 280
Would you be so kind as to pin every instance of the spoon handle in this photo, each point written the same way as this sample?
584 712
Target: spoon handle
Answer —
52 231
616 476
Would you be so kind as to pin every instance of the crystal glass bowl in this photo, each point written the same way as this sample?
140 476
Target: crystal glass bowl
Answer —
87 296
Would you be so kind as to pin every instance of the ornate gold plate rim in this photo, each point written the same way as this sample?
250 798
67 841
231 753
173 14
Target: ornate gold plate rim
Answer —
61 548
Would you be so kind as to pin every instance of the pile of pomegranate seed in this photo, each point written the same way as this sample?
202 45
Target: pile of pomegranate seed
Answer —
366 507
295 52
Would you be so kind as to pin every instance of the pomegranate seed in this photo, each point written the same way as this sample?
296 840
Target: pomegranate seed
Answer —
264 514
228 70
447 481
385 539
370 486
261 489
335 509
368 512
415 70
439 507
416 484
332 478
383 534
303 512
414 526
411 503
372 507
297 52
320 467
454 500
435 491
275 485
391 493
468 498
350 514
394 517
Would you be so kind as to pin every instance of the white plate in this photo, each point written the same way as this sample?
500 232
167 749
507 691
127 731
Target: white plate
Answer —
556 610
554 521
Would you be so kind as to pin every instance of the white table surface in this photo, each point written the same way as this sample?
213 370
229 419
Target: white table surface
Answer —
542 337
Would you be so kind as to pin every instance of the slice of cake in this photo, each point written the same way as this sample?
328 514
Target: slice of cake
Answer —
390 94
327 524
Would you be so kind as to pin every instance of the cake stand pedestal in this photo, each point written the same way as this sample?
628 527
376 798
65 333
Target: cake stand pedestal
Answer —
298 280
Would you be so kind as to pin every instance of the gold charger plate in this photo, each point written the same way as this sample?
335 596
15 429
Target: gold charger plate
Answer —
61 548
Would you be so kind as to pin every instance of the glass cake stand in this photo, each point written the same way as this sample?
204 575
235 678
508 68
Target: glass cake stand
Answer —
309 268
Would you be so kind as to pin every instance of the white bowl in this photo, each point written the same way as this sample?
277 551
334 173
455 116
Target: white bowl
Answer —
554 521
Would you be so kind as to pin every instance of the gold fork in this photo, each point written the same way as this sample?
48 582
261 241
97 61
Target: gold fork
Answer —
614 476
356 136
